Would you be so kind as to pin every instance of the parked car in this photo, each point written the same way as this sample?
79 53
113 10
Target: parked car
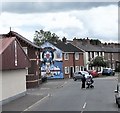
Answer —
94 73
117 95
79 75
108 71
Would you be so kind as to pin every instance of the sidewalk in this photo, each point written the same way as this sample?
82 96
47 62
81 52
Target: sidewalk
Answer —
33 96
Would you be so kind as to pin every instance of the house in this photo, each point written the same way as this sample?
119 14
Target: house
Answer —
13 62
90 52
60 60
110 53
33 77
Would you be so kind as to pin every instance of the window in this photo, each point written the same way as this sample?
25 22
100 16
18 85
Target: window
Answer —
108 56
66 56
112 56
66 70
88 56
92 54
97 53
25 49
77 56
81 68
76 68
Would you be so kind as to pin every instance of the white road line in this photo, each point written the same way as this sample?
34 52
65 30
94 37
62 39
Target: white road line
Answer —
84 105
36 103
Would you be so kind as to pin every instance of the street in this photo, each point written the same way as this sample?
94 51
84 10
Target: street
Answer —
70 96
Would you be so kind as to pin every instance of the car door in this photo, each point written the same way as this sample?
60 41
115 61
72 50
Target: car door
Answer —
80 75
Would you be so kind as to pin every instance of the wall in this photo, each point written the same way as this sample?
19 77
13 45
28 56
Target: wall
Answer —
13 83
54 67
34 75
71 62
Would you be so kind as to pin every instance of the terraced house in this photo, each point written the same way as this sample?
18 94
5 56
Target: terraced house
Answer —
65 61
110 53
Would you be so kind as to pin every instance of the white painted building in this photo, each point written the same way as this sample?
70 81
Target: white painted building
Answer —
13 70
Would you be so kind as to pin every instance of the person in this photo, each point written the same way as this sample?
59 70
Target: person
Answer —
83 82
89 82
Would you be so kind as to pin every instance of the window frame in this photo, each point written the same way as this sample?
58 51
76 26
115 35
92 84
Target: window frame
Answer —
66 56
77 56
67 70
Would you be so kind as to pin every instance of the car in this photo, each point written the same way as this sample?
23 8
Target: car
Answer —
79 74
94 73
108 71
117 95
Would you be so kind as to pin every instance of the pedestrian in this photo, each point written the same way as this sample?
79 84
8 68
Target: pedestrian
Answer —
83 82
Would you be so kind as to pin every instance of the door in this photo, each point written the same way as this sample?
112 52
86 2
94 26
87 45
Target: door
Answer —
71 72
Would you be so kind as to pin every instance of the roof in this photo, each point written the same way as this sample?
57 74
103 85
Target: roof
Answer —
96 48
67 47
12 33
111 50
4 43
8 54
90 48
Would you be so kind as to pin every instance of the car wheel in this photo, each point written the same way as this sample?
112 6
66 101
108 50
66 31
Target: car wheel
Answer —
118 105
74 79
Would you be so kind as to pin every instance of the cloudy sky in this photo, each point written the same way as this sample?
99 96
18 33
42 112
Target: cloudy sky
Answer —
96 20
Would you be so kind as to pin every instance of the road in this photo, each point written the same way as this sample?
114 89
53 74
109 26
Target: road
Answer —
70 97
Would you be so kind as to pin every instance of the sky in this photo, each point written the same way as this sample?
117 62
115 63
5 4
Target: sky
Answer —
95 20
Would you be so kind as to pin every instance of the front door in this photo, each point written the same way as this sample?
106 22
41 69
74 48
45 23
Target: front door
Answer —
71 72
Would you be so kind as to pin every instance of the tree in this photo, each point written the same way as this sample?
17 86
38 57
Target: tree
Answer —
98 62
42 36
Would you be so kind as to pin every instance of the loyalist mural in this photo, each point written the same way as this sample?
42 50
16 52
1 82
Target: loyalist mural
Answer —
51 65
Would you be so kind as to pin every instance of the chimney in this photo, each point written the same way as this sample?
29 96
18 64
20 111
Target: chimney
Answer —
87 41
77 41
64 39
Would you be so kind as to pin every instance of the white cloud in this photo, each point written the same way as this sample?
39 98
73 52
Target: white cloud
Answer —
99 22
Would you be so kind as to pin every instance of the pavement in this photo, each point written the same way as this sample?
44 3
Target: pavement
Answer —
33 96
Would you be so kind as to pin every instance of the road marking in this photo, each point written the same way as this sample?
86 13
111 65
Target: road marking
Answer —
36 103
84 105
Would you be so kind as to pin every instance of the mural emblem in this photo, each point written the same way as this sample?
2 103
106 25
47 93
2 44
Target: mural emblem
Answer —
51 66
47 56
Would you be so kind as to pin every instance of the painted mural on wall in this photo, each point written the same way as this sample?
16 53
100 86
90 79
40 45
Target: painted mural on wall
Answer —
51 61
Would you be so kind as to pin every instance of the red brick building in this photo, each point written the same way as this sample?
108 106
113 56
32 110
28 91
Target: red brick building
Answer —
67 57
72 59
33 77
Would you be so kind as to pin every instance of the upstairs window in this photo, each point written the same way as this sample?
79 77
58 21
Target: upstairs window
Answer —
77 56
66 56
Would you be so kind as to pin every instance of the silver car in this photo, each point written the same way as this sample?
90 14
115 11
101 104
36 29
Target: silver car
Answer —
117 95
79 74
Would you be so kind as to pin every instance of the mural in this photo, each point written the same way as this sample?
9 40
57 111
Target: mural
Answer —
51 62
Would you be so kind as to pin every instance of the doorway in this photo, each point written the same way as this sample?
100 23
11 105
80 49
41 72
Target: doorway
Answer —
71 72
